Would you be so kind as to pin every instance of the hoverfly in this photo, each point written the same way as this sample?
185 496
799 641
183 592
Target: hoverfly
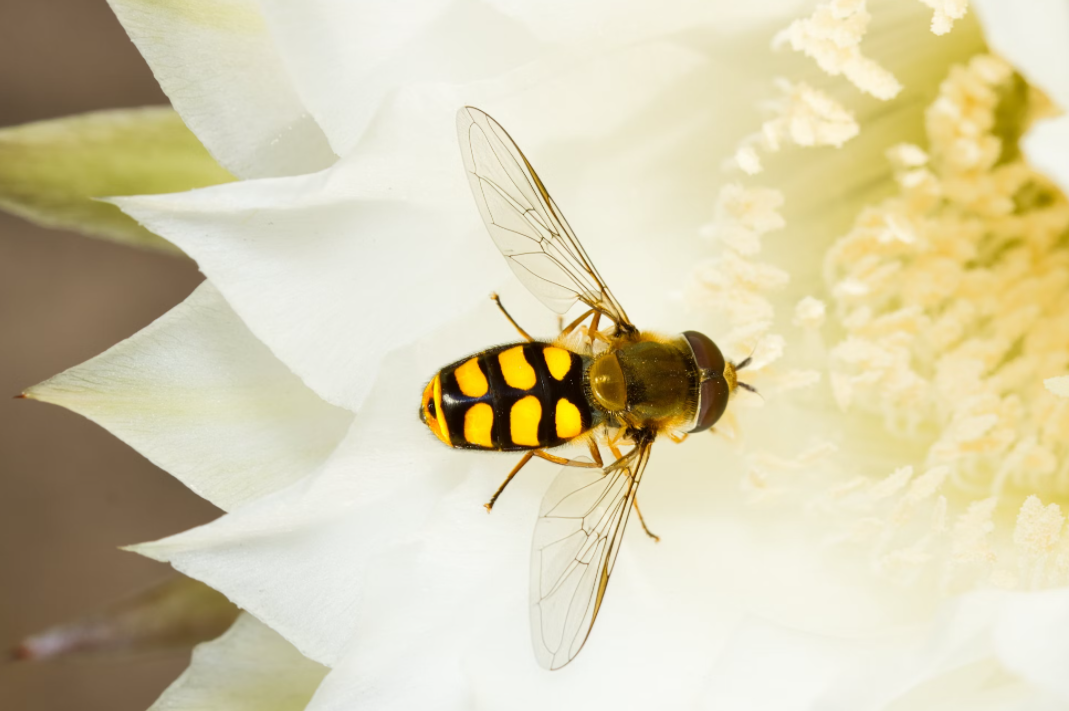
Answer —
617 388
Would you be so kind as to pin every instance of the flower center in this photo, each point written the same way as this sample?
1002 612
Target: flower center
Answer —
953 301
948 309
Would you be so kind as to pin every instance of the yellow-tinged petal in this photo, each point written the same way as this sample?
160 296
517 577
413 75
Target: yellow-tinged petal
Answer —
250 668
175 614
198 395
51 171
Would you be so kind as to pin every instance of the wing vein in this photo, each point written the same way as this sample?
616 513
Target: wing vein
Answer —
518 210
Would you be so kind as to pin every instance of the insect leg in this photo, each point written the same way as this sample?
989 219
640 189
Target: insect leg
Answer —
593 327
678 438
641 520
561 460
575 324
497 300
526 458
596 454
592 330
619 455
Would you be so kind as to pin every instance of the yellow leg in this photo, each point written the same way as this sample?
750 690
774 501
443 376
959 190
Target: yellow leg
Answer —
615 438
618 454
497 300
595 452
596 464
641 520
575 324
592 332
548 457
490 504
592 329
566 462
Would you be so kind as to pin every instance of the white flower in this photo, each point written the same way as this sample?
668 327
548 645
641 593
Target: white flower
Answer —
806 565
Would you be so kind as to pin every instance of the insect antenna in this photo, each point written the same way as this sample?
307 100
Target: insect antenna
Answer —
751 388
745 361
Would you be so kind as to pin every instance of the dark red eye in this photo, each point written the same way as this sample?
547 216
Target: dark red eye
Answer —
713 398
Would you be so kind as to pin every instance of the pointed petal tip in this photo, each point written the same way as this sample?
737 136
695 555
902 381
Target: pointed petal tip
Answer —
147 549
35 648
36 393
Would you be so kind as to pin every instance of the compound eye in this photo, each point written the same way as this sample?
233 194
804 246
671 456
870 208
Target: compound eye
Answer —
712 402
714 393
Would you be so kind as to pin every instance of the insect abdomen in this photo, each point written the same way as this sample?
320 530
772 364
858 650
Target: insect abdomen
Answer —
515 397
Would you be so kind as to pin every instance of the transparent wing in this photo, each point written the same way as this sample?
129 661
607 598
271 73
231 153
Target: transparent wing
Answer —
525 223
578 534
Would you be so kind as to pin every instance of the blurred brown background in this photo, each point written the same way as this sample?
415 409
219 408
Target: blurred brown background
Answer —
69 492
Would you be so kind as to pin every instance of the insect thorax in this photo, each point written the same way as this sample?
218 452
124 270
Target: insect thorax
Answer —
651 382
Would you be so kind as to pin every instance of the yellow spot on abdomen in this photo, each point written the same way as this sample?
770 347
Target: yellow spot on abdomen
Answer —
524 419
569 421
559 362
471 380
517 371
478 421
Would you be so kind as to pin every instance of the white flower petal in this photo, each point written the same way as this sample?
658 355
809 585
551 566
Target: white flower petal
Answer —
1031 641
346 57
217 63
1047 147
1034 37
980 687
988 650
332 270
320 534
619 22
984 650
915 657
250 668
770 666
199 396
601 93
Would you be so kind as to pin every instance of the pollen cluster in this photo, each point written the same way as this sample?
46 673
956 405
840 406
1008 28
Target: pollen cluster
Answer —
953 303
735 284
832 37
944 12
738 286
802 116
